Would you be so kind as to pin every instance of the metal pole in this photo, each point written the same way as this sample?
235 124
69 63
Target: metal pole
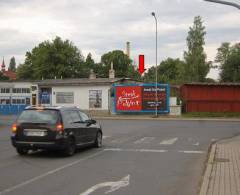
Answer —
156 79
225 3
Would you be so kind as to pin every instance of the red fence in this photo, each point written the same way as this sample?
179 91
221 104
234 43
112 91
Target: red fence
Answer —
211 97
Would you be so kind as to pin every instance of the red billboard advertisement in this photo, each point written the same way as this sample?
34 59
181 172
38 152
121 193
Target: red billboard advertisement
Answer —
129 98
142 98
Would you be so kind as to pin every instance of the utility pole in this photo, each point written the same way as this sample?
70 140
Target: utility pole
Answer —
156 79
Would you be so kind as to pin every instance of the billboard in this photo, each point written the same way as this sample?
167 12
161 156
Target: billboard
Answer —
141 98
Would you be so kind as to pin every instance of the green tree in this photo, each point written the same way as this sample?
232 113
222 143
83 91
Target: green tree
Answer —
88 65
169 71
132 73
196 67
12 64
120 62
2 77
230 67
50 59
223 53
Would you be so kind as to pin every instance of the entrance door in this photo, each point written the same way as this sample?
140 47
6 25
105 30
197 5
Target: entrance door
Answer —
34 99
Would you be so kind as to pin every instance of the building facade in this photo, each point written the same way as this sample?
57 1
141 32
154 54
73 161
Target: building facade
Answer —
87 94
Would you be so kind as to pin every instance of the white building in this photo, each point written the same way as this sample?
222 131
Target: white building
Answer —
93 94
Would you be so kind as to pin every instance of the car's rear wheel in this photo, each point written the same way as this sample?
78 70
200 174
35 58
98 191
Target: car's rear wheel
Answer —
98 141
70 148
22 151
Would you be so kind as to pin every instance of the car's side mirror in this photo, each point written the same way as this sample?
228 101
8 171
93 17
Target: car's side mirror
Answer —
90 122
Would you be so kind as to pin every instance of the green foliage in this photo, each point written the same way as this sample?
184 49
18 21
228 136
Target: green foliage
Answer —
196 67
60 59
230 66
2 77
12 64
87 66
169 71
223 53
120 62
133 73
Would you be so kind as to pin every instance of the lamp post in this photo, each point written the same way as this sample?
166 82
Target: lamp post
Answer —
225 3
156 80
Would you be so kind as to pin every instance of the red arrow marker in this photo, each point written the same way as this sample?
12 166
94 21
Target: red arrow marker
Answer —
141 68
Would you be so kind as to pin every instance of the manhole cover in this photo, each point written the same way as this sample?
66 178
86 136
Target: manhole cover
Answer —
221 160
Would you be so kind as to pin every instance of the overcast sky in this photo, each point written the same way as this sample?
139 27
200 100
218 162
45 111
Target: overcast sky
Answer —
98 26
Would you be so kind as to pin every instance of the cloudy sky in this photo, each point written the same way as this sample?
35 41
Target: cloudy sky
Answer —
98 26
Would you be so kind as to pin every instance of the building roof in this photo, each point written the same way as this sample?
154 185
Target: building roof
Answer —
213 84
10 74
81 81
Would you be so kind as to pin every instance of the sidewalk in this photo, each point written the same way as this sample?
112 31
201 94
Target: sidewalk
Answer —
222 175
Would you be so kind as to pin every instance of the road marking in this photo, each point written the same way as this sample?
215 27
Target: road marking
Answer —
48 173
196 144
144 140
135 150
105 137
121 140
169 141
124 182
192 151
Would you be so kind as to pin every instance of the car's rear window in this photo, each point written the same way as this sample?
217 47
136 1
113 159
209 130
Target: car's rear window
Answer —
38 116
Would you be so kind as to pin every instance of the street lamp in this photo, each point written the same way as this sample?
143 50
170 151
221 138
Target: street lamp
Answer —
225 3
156 81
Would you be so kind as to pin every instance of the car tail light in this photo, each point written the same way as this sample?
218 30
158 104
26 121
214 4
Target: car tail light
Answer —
14 128
60 127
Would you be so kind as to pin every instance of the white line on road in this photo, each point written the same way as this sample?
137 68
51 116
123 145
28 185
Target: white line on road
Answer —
196 144
144 140
169 141
134 150
192 151
105 137
120 140
113 186
152 150
48 173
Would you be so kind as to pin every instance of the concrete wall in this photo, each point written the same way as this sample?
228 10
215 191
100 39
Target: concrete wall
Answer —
81 96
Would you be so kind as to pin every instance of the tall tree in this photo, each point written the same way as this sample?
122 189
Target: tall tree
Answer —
12 64
223 53
58 58
196 67
120 62
169 71
230 65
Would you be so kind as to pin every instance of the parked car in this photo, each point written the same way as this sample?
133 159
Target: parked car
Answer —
60 128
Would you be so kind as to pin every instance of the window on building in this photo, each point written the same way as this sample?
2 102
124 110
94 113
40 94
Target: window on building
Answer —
4 100
64 97
19 101
5 90
21 90
95 98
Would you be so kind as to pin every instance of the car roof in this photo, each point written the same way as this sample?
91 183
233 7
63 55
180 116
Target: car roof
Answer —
61 108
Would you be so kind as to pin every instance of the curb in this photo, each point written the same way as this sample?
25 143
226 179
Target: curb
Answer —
208 171
164 119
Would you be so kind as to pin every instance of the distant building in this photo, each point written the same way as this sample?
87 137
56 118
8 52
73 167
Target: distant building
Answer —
8 73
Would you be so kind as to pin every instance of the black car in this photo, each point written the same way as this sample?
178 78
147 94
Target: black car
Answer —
60 128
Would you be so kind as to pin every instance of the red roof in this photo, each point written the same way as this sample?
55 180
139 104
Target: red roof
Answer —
12 75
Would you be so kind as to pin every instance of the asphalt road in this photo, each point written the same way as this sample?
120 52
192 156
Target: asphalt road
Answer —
138 158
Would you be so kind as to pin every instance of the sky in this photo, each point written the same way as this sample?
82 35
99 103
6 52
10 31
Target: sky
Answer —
99 26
